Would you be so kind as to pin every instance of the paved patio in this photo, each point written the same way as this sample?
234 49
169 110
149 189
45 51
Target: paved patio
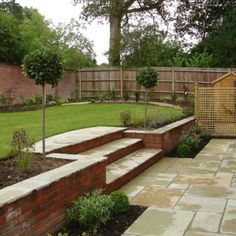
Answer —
191 197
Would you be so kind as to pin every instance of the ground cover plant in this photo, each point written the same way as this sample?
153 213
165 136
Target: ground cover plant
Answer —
100 214
66 118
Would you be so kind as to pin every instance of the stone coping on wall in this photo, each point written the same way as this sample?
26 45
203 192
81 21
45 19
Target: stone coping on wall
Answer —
163 129
26 187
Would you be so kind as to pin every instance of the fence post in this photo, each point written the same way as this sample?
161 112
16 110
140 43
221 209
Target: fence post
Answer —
121 83
78 85
196 102
173 81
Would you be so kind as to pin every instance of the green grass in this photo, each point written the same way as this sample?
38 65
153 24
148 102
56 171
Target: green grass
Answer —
66 118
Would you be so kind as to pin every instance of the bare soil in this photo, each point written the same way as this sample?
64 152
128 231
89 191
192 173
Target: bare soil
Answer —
11 174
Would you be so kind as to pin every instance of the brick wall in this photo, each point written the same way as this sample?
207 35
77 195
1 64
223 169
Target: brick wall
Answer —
43 210
165 138
13 81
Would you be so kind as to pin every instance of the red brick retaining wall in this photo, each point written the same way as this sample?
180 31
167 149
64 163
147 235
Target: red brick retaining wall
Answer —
16 84
165 138
43 210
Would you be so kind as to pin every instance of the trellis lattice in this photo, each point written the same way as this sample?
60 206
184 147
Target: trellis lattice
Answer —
215 110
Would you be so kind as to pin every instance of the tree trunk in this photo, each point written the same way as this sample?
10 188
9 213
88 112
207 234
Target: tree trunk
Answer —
145 111
43 121
115 40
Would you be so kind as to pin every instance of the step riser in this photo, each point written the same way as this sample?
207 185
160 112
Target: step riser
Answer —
85 146
118 183
124 152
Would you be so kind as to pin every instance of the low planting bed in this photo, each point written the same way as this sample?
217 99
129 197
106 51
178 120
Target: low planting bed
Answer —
10 172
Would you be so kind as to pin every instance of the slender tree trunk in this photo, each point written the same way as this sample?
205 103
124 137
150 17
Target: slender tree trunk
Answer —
145 111
115 40
43 120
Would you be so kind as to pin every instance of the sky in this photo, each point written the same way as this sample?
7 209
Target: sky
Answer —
61 11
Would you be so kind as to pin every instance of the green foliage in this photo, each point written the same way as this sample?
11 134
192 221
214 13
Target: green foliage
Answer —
44 66
183 150
174 96
125 118
148 46
108 95
126 96
21 146
147 78
29 102
10 47
191 139
38 100
121 203
203 59
5 99
137 96
91 211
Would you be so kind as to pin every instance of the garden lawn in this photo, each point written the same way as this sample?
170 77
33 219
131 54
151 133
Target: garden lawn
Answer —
61 119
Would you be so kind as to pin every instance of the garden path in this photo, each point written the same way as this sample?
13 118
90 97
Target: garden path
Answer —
190 197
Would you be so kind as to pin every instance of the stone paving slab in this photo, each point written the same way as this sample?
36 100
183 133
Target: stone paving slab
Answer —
211 192
198 204
195 233
74 137
159 197
155 222
229 220
206 222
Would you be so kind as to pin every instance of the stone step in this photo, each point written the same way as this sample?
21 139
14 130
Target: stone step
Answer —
113 151
77 141
116 149
125 169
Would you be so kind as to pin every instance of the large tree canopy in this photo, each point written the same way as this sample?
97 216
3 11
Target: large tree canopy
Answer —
23 30
118 12
148 46
221 43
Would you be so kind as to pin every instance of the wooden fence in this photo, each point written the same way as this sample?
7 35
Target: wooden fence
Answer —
93 82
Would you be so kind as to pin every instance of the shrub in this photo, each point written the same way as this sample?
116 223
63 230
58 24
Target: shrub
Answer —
52 103
183 150
191 139
137 96
91 211
29 102
126 95
38 100
49 98
188 111
121 203
109 95
125 118
174 97
21 146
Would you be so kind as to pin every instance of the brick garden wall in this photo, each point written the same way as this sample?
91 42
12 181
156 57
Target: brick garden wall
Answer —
16 84
43 210
165 138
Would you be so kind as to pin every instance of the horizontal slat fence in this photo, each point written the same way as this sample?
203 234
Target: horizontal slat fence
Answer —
95 81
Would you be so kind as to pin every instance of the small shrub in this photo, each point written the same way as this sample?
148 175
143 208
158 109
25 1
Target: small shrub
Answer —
6 99
49 98
21 145
125 118
121 203
91 211
189 111
174 97
29 102
61 101
52 103
183 150
126 95
38 100
190 139
137 96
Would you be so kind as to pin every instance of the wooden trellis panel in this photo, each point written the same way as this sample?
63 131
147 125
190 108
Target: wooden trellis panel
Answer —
215 110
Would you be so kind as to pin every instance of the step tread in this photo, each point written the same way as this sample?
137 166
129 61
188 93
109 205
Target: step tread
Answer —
111 147
128 163
75 137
